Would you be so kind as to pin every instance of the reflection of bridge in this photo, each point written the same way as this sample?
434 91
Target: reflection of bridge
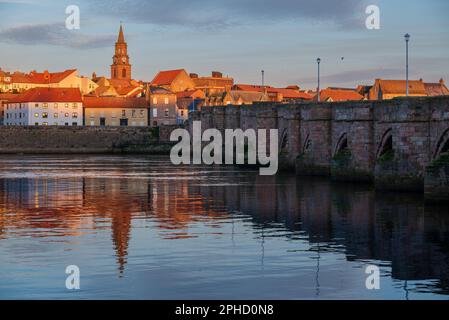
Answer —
391 142
351 219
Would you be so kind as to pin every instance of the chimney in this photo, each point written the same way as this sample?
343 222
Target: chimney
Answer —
442 82
193 76
216 74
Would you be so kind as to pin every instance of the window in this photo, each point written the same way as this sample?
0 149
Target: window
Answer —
66 124
182 113
166 101
154 100
74 123
36 123
66 114
55 106
66 105
75 115
45 105
133 113
37 105
155 113
92 123
75 105
45 115
142 113
123 113
166 113
113 115
124 73
56 124
55 115
45 123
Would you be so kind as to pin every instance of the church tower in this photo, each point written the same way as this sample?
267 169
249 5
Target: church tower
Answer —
120 68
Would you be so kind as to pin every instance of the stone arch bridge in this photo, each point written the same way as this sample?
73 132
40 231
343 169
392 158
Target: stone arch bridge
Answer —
400 144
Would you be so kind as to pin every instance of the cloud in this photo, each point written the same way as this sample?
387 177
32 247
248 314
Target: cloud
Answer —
223 13
54 34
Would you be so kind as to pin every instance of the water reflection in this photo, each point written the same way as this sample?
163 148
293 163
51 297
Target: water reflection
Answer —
305 229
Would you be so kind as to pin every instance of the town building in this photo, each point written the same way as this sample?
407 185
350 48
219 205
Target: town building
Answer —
173 80
115 111
236 97
389 89
339 95
163 106
18 82
45 106
4 98
282 95
213 84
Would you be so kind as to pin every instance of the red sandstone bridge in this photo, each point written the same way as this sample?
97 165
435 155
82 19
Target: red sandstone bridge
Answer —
399 144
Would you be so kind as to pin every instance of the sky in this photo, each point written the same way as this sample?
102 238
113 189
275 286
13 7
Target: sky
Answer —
237 37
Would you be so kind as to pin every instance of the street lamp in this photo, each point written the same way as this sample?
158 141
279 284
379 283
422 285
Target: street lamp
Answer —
407 39
263 79
318 62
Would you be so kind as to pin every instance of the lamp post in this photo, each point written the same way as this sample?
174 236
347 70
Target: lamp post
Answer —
263 79
318 89
407 39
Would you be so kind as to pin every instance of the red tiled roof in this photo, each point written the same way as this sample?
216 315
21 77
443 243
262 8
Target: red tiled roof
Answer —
436 89
188 93
48 77
49 95
114 102
166 77
399 87
287 93
8 96
339 95
291 94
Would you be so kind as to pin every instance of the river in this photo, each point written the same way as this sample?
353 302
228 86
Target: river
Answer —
138 227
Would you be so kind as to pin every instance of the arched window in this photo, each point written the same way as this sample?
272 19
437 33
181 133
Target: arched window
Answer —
124 73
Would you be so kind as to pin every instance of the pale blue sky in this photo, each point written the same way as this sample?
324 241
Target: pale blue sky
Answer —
237 37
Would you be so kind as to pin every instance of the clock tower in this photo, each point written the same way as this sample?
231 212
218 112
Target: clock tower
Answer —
120 68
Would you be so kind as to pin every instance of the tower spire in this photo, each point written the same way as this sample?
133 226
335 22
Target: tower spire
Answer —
121 37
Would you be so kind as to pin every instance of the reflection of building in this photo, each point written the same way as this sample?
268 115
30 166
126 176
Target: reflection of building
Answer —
45 106
115 111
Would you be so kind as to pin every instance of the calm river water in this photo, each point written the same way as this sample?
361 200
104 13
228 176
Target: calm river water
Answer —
139 228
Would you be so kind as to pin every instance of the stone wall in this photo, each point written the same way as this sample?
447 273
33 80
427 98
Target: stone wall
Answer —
30 139
388 142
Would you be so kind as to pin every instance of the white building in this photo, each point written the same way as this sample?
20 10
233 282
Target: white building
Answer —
45 106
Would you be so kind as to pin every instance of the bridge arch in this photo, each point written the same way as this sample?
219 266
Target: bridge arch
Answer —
442 145
283 145
342 144
386 144
307 146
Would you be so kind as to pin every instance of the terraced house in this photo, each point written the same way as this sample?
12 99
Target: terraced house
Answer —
44 107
